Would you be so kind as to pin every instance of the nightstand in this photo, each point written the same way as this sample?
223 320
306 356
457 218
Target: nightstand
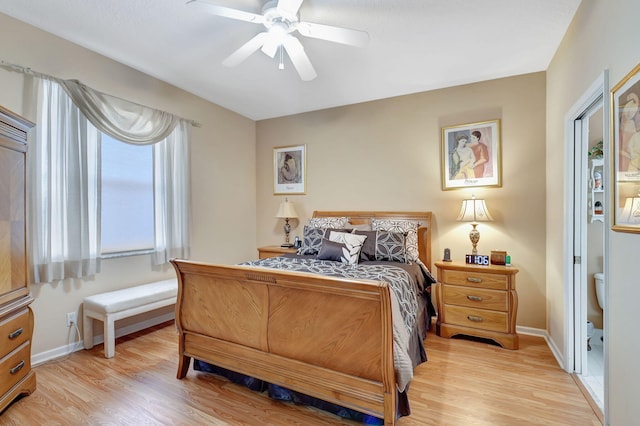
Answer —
273 251
478 301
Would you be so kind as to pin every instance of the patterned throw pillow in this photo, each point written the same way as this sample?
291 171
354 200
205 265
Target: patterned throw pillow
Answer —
390 246
311 240
408 227
328 222
353 243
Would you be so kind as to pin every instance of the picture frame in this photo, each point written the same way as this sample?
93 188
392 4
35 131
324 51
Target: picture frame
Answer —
625 128
475 163
290 169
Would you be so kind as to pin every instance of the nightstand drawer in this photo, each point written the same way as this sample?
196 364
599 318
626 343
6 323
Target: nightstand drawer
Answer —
14 331
15 366
475 297
477 318
475 279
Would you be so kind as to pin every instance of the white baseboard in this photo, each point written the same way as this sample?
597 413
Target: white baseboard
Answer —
550 343
40 358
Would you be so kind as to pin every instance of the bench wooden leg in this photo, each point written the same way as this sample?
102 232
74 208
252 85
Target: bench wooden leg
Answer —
87 327
109 337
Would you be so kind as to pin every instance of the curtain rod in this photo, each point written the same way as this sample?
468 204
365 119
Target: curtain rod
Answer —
26 70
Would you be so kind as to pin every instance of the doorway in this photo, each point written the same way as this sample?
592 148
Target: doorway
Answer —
586 324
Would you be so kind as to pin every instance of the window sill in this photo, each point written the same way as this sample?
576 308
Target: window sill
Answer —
126 254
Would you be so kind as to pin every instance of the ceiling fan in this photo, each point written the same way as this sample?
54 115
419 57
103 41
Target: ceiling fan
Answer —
281 18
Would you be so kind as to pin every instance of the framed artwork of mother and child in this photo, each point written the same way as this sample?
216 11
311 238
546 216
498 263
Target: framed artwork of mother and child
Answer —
471 155
625 101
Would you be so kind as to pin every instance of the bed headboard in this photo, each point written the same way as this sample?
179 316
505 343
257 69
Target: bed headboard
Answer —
423 218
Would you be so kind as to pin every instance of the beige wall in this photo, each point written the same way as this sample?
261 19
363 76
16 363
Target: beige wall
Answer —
603 35
217 183
385 155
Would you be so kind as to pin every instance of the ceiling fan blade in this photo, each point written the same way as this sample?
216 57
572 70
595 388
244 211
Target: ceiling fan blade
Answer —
300 60
246 50
289 7
270 46
227 12
336 34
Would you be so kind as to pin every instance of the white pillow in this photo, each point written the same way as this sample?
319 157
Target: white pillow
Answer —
353 243
328 222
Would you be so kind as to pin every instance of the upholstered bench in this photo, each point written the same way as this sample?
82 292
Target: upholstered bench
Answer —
115 305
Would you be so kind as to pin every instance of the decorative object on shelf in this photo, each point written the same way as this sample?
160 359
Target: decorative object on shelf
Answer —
474 211
286 212
597 180
289 169
596 151
597 208
626 153
471 155
596 194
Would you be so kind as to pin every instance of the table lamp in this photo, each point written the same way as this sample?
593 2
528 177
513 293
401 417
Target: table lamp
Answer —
286 212
474 211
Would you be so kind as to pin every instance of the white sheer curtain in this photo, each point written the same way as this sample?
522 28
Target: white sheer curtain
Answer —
171 196
64 170
65 177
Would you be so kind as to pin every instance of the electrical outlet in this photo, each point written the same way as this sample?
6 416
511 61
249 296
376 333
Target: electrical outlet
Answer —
72 318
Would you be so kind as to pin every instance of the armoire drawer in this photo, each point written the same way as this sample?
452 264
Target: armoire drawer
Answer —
14 331
15 366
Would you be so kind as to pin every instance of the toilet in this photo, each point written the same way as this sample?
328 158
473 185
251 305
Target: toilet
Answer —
599 278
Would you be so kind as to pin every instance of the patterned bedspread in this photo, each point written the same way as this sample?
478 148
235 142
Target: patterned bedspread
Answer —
403 298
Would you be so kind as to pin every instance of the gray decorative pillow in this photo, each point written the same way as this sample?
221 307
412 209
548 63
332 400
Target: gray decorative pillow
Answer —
368 251
408 227
328 222
390 246
311 240
353 243
331 250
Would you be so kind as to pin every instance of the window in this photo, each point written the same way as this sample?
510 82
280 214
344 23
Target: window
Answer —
127 197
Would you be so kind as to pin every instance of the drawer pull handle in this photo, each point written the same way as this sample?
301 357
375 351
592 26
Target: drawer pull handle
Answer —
474 280
17 368
474 318
15 333
475 298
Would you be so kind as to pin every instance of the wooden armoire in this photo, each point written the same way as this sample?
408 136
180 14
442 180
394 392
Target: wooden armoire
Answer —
16 317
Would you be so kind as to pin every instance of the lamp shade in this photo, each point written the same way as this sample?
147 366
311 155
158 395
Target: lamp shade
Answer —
474 211
286 210
631 211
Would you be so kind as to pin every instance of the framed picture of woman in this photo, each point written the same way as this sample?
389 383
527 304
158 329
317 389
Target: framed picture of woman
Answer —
471 155
625 125
289 169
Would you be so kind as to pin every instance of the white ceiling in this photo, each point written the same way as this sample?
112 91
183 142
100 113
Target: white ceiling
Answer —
415 46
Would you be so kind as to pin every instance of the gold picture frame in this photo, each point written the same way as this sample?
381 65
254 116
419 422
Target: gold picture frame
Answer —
290 170
625 128
471 155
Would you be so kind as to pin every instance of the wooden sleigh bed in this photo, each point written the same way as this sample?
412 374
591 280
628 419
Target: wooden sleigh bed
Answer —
327 337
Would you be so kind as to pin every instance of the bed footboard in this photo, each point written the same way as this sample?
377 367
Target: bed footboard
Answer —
326 337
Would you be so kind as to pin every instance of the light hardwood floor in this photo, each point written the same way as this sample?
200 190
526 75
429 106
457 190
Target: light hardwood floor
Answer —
463 383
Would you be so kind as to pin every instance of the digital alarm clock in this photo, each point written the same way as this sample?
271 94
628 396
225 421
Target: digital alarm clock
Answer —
477 259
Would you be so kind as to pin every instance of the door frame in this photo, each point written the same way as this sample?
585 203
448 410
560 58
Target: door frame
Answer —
574 242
